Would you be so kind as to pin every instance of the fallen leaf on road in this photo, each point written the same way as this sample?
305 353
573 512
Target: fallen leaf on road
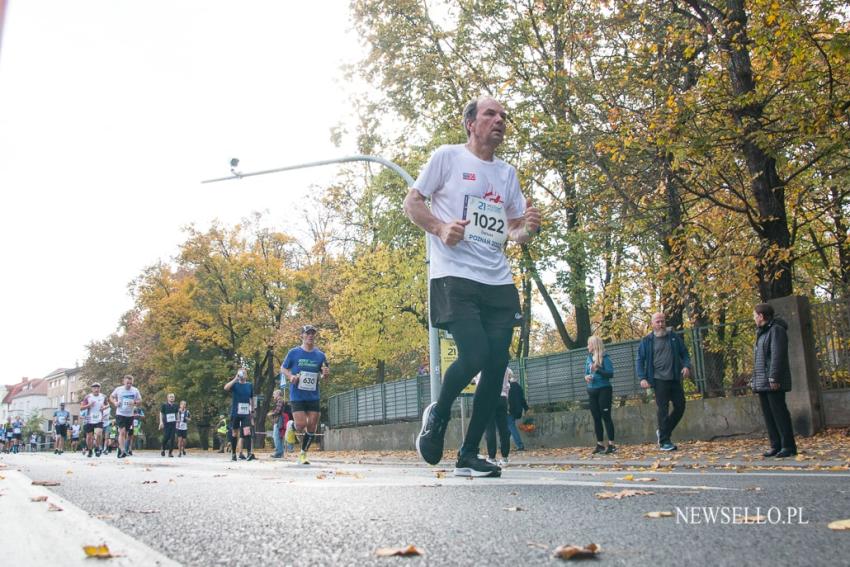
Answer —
408 551
753 489
104 516
537 545
218 475
625 493
576 552
646 479
150 481
513 509
656 515
839 525
38 499
628 477
100 551
143 511
757 519
45 483
321 476
69 472
51 507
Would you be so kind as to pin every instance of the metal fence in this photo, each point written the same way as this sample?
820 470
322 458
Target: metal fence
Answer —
721 359
831 329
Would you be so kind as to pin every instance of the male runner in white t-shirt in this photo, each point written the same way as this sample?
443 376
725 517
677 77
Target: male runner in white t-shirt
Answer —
125 399
476 207
94 404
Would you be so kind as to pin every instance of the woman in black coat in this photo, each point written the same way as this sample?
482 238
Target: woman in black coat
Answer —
772 378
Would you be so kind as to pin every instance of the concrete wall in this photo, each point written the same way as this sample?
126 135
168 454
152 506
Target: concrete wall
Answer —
704 420
836 407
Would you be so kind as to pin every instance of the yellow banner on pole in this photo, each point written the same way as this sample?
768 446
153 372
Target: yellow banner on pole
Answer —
448 354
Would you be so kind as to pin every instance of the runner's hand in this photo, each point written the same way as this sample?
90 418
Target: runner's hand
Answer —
644 384
452 232
294 379
325 371
532 218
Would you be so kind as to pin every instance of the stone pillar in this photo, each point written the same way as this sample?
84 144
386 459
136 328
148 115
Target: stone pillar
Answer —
804 399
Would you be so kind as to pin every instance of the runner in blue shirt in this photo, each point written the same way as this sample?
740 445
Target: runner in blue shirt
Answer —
61 418
302 367
241 410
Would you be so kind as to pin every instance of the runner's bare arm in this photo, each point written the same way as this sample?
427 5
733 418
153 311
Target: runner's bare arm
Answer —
417 211
290 377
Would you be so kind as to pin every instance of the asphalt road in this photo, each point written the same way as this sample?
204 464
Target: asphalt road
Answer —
206 510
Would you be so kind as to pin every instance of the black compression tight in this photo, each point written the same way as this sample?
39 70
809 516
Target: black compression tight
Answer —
479 350
168 438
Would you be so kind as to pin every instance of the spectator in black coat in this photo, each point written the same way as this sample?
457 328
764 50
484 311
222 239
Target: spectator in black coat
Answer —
772 378
516 405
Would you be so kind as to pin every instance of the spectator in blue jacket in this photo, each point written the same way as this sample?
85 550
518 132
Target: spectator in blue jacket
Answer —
662 364
598 371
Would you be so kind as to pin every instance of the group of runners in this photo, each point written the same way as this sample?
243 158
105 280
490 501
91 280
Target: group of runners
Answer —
302 370
11 435
102 432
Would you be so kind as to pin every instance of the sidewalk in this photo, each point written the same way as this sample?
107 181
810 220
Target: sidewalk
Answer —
827 451
54 531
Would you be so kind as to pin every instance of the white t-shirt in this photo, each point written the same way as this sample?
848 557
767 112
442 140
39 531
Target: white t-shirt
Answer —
95 408
125 399
452 173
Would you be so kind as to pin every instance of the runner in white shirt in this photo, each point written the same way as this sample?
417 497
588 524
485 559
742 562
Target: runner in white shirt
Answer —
476 207
183 417
94 404
125 399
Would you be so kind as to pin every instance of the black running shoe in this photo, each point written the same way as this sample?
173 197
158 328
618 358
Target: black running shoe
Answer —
89 453
599 449
429 443
241 456
251 456
162 453
610 449
472 465
97 453
233 458
121 454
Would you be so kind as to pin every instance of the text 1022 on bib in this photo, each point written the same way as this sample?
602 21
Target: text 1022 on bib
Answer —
488 222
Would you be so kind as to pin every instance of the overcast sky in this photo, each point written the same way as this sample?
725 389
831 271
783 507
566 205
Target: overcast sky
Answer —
112 111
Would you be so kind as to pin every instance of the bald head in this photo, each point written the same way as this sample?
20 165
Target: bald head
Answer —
659 324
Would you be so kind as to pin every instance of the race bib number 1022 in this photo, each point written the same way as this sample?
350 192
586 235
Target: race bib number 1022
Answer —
488 222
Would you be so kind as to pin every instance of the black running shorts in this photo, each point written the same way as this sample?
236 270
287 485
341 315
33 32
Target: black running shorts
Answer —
124 422
460 299
312 405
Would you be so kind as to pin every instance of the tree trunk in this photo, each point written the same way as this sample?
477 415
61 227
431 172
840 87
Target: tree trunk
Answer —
771 225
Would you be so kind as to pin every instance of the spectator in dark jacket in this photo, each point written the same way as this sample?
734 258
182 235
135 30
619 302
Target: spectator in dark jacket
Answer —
772 378
516 405
662 364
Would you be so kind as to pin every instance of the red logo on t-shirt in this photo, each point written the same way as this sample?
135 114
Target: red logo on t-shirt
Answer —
493 197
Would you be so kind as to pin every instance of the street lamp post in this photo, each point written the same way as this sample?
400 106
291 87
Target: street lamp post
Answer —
433 339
